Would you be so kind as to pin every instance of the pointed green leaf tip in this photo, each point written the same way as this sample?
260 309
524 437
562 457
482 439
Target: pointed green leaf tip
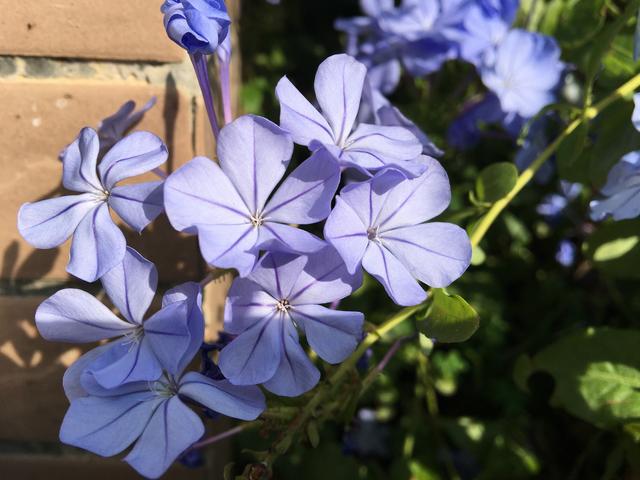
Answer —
496 181
449 318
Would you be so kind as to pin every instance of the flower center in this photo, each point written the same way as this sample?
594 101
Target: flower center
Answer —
283 305
134 336
257 220
166 387
102 196
373 234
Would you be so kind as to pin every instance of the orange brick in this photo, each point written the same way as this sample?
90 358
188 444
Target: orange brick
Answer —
96 29
38 118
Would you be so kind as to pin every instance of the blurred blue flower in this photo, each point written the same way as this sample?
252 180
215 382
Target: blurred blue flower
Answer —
524 73
553 206
566 253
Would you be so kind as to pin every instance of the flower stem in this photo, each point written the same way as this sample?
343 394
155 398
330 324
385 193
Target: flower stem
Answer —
527 175
377 370
225 89
226 434
202 73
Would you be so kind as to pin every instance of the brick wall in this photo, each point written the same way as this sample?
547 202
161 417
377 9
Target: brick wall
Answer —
65 65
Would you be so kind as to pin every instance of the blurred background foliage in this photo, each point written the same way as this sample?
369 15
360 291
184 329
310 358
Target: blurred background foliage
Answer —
549 385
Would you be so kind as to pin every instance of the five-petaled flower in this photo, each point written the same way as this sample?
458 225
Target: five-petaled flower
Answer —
98 244
524 73
231 206
339 86
286 291
143 347
379 225
151 414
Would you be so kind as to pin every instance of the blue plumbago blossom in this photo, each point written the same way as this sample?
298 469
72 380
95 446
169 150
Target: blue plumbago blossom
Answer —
231 206
198 26
113 128
621 192
339 85
143 348
566 253
379 225
98 244
524 73
553 206
151 415
284 292
485 25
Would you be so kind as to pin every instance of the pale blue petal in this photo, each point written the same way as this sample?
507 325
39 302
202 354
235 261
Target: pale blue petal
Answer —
332 334
79 163
135 154
131 285
171 430
49 223
98 245
236 401
72 315
138 205
254 154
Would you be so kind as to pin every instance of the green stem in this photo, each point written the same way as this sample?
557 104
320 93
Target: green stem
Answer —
482 227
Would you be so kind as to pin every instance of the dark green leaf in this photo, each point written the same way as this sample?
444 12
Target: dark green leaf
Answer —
496 181
449 318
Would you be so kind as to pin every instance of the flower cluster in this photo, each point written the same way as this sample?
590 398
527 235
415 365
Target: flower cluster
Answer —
520 69
369 183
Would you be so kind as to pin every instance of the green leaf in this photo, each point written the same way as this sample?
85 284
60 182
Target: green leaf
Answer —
612 389
615 248
496 181
579 21
596 374
449 318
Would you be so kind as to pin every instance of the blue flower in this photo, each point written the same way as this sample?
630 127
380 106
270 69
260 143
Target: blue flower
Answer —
284 292
621 192
98 244
198 26
143 348
339 85
484 27
231 206
379 225
566 253
150 415
554 205
524 73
